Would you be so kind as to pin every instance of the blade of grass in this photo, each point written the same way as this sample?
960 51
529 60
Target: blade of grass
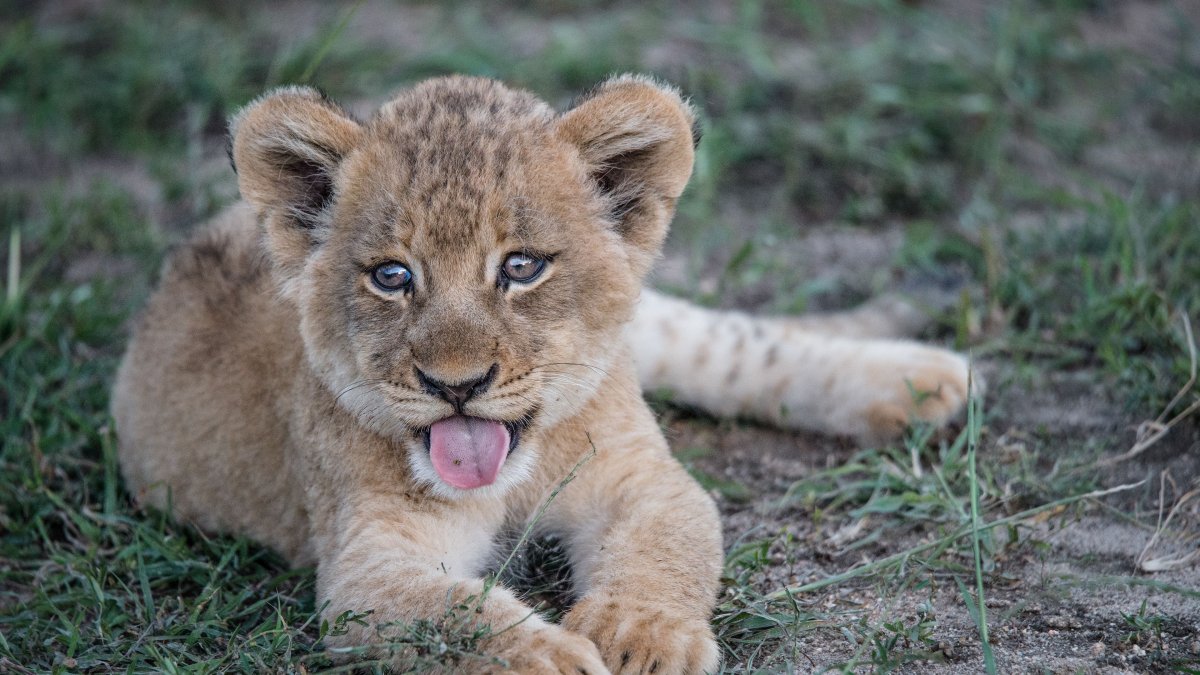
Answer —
144 579
1108 582
14 268
966 530
111 480
328 42
973 430
1151 432
528 531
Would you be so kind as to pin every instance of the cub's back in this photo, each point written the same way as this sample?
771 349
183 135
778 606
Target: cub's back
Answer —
195 401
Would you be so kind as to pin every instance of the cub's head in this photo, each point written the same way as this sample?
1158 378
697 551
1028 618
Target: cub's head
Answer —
463 262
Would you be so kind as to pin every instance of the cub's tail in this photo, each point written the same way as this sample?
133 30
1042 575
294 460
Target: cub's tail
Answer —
849 373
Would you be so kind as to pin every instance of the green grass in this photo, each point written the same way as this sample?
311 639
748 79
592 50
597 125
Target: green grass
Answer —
981 141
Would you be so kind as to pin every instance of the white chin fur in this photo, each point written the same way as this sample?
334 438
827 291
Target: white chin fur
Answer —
516 470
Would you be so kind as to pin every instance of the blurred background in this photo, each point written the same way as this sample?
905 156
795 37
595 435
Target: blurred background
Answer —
1030 169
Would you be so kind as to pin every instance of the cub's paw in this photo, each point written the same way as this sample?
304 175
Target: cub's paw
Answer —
644 637
917 384
547 650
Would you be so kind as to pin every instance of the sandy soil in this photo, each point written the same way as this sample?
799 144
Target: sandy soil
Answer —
1052 604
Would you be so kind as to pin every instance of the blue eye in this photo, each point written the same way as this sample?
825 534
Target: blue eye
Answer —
391 277
522 268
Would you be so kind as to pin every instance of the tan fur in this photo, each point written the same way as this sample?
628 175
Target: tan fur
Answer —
270 388
845 374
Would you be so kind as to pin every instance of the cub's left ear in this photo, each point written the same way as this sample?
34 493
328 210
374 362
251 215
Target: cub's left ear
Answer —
635 137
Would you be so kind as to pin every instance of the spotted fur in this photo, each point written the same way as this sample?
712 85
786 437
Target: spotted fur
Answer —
848 374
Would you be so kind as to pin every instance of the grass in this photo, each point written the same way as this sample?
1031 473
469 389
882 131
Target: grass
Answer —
978 605
1005 147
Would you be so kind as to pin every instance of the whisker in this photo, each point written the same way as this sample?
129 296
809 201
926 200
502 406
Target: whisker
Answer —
578 385
568 379
506 395
526 416
403 399
633 390
569 363
356 385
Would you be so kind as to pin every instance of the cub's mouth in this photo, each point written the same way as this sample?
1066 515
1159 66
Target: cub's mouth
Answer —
468 452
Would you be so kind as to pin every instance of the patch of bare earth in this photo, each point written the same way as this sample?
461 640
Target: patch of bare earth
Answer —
1059 600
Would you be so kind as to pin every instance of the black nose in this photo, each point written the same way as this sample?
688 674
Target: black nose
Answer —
458 394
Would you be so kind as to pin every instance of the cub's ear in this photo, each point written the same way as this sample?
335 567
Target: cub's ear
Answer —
636 138
286 148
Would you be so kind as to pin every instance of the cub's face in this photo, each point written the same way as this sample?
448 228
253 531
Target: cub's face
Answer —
464 261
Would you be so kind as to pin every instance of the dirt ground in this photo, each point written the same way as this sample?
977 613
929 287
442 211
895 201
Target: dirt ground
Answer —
1056 609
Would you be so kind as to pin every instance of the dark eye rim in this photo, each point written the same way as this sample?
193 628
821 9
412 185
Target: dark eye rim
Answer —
405 286
542 261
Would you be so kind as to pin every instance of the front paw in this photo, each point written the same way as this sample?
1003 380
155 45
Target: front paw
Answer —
547 650
645 637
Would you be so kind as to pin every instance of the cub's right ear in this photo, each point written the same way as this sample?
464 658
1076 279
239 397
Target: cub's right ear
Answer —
286 147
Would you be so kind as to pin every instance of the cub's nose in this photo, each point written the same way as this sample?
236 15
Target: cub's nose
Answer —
458 394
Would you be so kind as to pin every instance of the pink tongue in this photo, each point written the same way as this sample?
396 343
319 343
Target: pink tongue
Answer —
467 452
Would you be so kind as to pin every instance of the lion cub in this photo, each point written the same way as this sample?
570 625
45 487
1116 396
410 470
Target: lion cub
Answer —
415 326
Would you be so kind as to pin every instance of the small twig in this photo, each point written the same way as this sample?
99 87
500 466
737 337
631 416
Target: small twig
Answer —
1150 432
1143 561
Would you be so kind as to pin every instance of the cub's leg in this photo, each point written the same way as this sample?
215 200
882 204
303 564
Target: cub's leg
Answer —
413 558
842 374
645 547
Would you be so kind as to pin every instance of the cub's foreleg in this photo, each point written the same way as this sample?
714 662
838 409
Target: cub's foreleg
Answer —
408 562
645 546
388 545
827 375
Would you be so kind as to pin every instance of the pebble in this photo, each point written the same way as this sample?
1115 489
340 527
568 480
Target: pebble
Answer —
1058 621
